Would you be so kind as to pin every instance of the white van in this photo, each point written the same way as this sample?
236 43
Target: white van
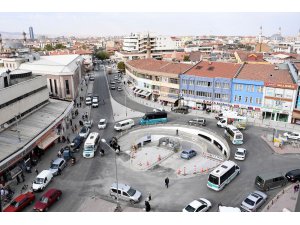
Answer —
91 144
42 180
124 125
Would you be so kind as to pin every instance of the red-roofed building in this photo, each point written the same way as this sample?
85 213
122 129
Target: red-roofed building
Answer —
155 79
279 89
208 85
250 57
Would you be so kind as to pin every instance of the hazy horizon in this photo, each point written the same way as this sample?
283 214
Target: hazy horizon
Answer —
177 24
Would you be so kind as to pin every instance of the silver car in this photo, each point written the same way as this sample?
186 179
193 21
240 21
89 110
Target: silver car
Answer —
125 193
254 201
57 163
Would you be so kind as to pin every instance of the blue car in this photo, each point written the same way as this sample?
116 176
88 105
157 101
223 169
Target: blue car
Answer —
187 154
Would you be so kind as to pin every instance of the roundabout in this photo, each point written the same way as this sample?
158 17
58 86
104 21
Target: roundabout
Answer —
149 147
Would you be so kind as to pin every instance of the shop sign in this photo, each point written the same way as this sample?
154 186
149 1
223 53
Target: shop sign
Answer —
279 85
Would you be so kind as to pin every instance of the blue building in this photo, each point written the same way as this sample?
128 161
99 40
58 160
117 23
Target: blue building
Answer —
208 85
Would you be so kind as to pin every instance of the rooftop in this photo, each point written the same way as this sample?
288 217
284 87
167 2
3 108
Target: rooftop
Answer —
54 65
250 56
266 73
29 128
159 66
214 69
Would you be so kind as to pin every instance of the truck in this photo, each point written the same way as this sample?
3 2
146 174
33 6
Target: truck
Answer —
239 122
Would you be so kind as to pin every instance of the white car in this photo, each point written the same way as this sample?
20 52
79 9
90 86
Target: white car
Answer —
120 89
254 201
102 124
88 100
95 101
240 154
199 205
84 132
292 135
158 110
88 123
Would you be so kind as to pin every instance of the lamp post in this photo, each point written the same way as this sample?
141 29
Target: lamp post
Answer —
118 208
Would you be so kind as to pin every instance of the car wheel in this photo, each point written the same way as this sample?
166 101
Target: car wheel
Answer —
114 197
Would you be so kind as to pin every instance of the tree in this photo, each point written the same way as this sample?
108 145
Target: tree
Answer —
186 58
121 66
48 47
102 55
60 46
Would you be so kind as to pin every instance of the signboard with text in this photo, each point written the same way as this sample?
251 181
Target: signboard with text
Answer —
279 85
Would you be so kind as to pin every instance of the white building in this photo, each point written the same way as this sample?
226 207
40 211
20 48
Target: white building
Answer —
63 72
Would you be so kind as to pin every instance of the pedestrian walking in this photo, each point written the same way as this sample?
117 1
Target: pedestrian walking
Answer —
36 171
80 104
23 177
68 140
296 188
71 122
75 127
167 182
176 132
18 180
147 206
149 197
59 171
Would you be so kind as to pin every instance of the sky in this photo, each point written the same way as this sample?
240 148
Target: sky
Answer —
180 24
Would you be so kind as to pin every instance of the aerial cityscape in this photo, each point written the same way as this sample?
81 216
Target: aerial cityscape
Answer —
145 119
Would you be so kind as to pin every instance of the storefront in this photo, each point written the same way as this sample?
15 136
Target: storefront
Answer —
296 117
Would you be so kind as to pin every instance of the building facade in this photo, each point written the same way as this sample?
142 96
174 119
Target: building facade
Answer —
208 85
154 79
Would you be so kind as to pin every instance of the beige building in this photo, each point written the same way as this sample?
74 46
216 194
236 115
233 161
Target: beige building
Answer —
63 72
155 79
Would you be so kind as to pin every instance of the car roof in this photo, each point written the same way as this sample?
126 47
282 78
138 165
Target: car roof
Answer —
240 149
267 176
196 203
58 160
50 192
20 197
102 120
44 173
296 171
121 186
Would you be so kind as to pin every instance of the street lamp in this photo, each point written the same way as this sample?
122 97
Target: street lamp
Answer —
118 208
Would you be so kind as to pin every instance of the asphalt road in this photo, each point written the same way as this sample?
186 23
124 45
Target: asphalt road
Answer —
91 178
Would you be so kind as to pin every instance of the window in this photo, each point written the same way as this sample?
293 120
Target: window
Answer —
235 98
208 84
258 101
259 89
51 88
55 86
226 85
246 99
238 87
240 98
251 100
218 85
250 88
217 95
173 80
191 82
157 79
67 87
225 96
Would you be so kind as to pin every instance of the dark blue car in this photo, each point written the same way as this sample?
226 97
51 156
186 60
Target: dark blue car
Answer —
76 143
187 154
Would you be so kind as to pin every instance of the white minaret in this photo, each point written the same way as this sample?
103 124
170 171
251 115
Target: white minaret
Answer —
260 35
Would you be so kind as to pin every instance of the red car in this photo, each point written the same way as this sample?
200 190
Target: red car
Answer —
51 196
20 202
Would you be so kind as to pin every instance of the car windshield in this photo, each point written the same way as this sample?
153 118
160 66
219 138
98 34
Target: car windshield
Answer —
249 201
118 125
239 153
238 137
213 179
44 199
185 152
89 148
131 192
190 208
101 122
15 204
83 130
38 180
54 166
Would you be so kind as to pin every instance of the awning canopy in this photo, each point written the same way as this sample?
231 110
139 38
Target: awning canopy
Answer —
48 141
167 99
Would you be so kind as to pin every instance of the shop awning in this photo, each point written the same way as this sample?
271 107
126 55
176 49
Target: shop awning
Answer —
167 99
48 140
15 172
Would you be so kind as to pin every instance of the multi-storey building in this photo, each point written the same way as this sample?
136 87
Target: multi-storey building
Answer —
208 85
155 79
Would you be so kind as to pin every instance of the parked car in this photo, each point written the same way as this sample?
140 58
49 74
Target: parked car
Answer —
42 180
292 135
84 132
199 205
47 200
88 123
120 89
112 82
268 181
181 109
76 143
188 154
126 193
58 163
92 78
293 175
113 87
88 100
119 81
102 124
240 154
197 122
158 110
254 201
20 202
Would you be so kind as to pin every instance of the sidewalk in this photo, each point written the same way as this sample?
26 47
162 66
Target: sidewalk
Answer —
285 199
285 149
